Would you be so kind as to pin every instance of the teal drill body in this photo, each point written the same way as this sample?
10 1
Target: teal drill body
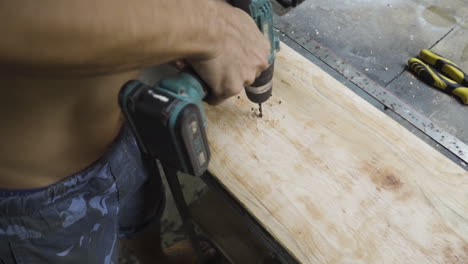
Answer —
168 121
261 12
168 118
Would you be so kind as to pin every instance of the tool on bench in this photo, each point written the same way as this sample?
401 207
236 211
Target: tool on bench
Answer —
169 122
262 13
450 77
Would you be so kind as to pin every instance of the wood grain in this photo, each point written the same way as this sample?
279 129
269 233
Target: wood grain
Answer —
334 179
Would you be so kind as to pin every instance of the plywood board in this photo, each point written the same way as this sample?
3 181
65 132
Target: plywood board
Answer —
334 179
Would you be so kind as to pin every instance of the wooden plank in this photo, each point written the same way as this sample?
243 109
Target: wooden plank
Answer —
334 179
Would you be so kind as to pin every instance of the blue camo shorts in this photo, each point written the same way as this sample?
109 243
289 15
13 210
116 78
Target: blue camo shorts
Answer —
80 219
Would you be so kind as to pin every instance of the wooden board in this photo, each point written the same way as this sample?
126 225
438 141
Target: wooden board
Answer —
334 179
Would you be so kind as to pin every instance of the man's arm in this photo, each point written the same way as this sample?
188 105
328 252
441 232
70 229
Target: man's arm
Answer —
99 36
92 37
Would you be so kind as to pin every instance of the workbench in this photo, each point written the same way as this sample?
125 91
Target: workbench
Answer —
363 45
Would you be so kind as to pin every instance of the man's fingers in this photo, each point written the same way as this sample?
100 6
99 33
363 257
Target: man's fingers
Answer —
213 100
251 79
217 96
260 69
220 94
262 65
241 57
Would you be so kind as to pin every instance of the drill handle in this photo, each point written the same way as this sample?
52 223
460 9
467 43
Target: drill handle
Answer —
186 83
205 88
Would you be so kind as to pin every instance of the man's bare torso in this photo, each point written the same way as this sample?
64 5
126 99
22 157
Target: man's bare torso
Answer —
53 128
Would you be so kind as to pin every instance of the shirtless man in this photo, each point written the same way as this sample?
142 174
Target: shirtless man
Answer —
72 184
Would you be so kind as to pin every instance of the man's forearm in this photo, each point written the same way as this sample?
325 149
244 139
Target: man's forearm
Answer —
103 36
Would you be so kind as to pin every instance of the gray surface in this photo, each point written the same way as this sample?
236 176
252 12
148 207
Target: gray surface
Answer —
377 37
374 39
445 110
455 44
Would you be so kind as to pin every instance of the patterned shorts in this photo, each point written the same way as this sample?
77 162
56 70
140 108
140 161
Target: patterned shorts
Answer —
80 219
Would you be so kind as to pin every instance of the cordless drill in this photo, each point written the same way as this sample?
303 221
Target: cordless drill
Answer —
262 13
168 119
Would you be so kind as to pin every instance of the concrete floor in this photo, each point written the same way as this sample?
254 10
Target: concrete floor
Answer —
376 37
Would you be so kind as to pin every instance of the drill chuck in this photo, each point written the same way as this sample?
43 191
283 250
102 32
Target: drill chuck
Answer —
260 91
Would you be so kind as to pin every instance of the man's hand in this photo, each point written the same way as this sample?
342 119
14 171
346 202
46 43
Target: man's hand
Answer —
240 55
89 38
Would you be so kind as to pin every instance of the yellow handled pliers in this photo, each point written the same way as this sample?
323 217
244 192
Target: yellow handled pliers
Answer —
450 77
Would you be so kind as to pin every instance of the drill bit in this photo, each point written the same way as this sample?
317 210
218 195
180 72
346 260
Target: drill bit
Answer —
260 108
